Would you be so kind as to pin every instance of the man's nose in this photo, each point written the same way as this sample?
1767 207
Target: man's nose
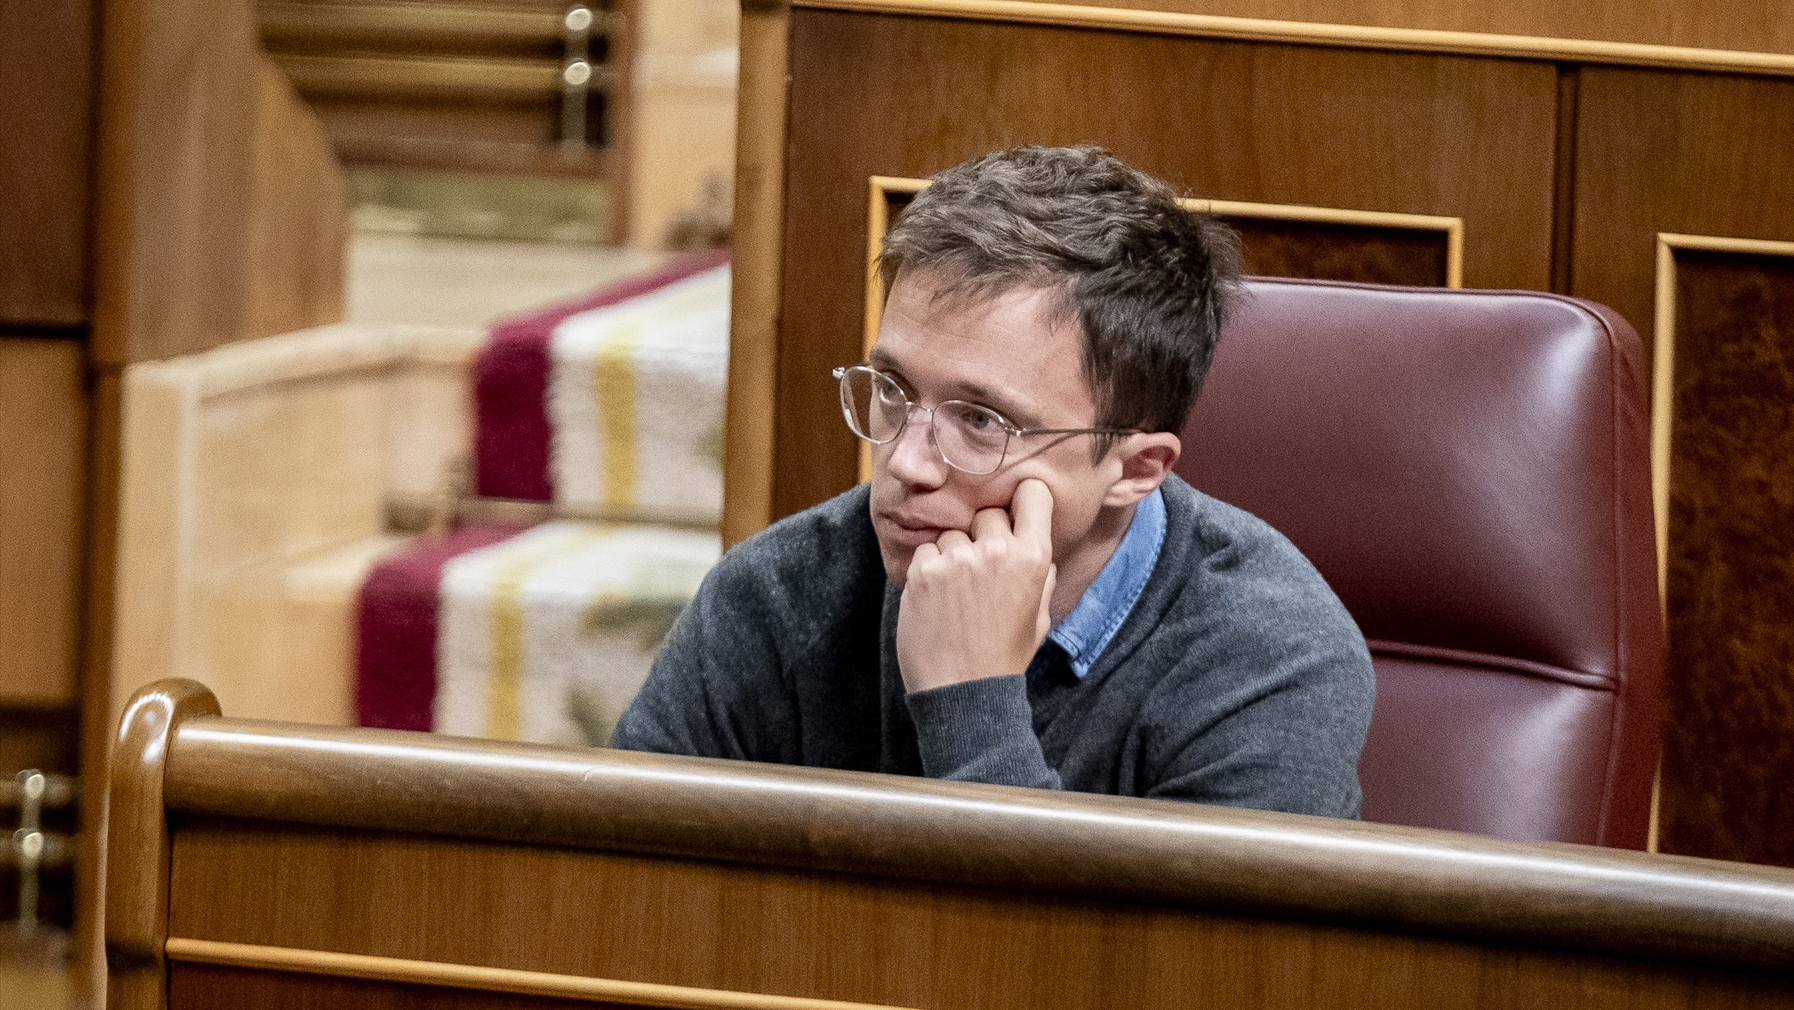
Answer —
914 458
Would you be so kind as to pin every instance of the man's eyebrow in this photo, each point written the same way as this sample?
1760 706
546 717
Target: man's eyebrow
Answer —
973 392
881 359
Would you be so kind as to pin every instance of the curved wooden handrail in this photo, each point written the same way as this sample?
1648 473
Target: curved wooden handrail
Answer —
137 865
1565 896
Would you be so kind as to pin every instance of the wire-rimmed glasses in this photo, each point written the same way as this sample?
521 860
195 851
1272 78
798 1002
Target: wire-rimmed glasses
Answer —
969 437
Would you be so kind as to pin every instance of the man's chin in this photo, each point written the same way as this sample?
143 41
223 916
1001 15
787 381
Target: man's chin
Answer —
896 561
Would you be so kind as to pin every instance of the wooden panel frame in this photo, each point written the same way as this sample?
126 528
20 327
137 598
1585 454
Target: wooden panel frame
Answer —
1451 227
881 187
1664 362
1336 35
480 978
759 243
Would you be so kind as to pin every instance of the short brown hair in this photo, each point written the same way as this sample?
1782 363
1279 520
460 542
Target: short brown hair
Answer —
1147 280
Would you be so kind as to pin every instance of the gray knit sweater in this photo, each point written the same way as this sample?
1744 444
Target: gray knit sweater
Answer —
1238 678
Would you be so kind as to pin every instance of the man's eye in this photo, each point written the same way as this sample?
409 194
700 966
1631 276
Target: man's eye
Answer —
890 395
979 419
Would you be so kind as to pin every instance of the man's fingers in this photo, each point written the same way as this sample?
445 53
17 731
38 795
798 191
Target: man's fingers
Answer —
991 522
1044 622
949 541
1032 507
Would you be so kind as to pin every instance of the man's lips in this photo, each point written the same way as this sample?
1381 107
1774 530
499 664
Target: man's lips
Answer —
911 531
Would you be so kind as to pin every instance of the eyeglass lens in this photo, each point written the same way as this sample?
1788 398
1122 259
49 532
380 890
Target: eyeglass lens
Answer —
969 437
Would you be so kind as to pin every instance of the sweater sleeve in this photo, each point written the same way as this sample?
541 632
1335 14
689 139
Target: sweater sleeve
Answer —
1276 727
980 731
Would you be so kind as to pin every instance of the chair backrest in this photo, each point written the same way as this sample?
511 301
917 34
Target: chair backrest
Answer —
1470 472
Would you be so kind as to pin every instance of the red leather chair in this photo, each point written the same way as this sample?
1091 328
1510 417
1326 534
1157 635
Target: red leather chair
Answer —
1470 472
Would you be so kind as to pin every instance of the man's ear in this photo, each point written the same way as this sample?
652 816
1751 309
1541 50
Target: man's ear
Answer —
1146 460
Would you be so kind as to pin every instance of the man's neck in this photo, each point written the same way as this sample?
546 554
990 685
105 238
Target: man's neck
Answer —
1077 572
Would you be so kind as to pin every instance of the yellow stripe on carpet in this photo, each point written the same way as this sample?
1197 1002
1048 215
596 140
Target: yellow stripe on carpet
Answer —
615 364
504 692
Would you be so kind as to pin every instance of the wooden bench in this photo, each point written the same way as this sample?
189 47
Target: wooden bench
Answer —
276 865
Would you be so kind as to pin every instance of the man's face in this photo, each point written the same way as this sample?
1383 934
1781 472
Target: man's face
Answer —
1008 353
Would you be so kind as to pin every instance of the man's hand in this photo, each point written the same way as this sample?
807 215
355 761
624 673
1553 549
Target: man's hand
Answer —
976 606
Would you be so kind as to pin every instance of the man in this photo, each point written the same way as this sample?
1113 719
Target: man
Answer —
1024 593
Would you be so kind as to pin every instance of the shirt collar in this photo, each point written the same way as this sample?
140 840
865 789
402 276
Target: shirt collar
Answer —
1086 631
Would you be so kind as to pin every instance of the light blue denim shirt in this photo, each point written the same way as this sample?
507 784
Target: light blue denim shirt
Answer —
1086 631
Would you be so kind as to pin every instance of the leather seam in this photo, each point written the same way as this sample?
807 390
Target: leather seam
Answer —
1495 663
1615 730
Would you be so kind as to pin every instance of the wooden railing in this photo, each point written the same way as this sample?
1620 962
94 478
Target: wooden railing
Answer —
265 860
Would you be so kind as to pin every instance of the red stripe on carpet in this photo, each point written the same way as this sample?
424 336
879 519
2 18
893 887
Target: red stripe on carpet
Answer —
512 440
395 621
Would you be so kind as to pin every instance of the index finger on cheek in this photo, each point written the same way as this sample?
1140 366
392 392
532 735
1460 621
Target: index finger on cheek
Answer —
1033 510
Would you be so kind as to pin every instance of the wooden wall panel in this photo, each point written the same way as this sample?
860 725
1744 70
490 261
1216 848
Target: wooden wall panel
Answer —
1290 246
46 71
1744 25
1699 154
1709 154
214 987
1454 136
210 168
1729 743
296 221
895 943
43 427
1343 252
757 291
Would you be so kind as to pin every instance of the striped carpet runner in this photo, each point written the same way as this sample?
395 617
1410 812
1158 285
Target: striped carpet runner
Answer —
611 408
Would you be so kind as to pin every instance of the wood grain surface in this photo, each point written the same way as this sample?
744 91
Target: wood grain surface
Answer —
43 444
46 102
1175 19
1708 155
938 833
199 986
424 864
1343 252
221 214
1729 743
1279 240
1744 25
865 938
1452 136
759 222
1741 26
454 982
137 861
1697 154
